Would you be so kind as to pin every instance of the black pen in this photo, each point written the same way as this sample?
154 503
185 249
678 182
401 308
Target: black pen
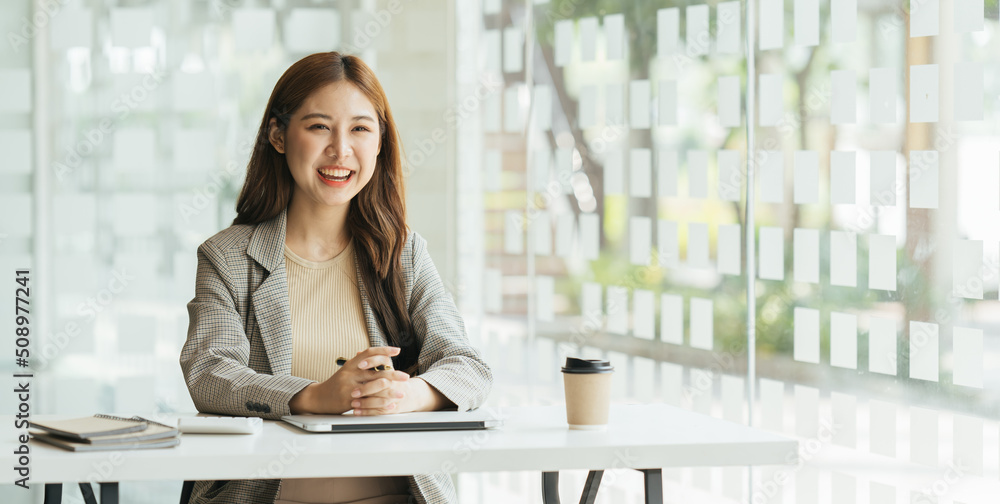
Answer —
381 367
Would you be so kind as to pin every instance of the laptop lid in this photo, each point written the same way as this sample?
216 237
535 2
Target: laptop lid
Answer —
415 421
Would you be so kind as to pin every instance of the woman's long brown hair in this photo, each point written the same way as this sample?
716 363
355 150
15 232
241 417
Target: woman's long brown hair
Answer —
376 218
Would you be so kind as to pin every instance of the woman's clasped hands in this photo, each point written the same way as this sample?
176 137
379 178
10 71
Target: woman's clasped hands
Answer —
359 386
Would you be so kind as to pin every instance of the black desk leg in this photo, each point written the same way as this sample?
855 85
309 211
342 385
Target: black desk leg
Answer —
550 487
109 493
88 493
53 493
590 487
654 485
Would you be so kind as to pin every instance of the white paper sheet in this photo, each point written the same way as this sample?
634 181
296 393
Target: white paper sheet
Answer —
697 252
924 350
730 175
541 110
667 31
923 179
541 227
968 447
513 112
640 173
640 240
883 88
642 318
588 39
513 242
672 379
844 340
667 244
772 24
541 170
544 291
587 106
806 411
614 36
638 110
564 169
564 234
967 357
591 305
969 15
644 382
806 177
967 269
728 21
492 43
924 436
729 101
733 388
772 253
771 99
882 262
805 263
772 404
884 173
666 173
882 426
844 18
729 247
806 339
924 17
924 93
844 97
614 173
563 42
968 91
698 35
668 103
590 235
843 177
617 309
614 110
697 164
701 323
806 22
772 177
844 414
843 258
882 345
671 319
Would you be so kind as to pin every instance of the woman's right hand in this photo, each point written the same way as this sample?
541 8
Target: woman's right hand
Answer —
333 396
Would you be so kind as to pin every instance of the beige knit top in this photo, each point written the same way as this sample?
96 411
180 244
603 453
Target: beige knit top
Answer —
327 319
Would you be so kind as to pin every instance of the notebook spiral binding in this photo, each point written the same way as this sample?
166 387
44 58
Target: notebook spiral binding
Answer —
135 418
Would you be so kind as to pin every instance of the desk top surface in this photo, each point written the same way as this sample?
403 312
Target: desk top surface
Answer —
532 438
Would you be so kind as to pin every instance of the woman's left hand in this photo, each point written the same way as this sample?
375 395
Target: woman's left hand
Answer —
385 397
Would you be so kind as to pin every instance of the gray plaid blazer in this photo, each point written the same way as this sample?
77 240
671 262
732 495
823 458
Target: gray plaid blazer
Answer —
238 353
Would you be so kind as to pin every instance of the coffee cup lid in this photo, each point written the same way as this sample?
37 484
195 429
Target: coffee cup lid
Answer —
587 366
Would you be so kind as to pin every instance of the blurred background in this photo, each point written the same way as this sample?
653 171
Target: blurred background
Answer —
578 168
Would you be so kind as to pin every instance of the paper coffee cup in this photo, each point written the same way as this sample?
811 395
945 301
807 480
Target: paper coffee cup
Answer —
588 393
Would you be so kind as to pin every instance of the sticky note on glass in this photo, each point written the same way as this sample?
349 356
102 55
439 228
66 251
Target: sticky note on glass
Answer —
564 169
806 342
491 170
666 173
772 24
16 85
968 443
513 242
513 112
967 269
882 345
729 101
701 323
883 178
588 39
667 103
923 179
672 319
614 110
729 247
668 248
614 36
667 31
806 411
544 290
806 22
882 262
591 305
491 113
805 262
642 316
640 240
698 36
883 86
772 177
730 175
697 161
844 20
771 99
843 177
617 310
843 259
969 15
968 91
563 32
638 99
590 235
541 109
844 97
924 17
967 357
640 173
924 351
492 44
843 409
614 173
923 93
541 228
587 106
732 398
564 234
924 436
728 22
883 430
806 177
772 253
772 402
697 251
541 170
844 340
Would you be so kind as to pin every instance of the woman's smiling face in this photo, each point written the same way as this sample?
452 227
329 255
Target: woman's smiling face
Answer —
331 144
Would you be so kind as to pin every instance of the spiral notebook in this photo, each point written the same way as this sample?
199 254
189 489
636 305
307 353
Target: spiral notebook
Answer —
106 432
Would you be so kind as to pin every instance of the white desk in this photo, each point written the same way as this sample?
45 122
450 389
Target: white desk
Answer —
643 437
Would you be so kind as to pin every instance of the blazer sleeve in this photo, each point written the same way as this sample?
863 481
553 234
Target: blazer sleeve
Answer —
215 356
447 360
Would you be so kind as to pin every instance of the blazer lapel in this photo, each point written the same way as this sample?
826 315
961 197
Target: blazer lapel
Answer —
270 299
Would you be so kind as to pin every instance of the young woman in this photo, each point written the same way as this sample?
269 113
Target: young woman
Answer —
319 264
